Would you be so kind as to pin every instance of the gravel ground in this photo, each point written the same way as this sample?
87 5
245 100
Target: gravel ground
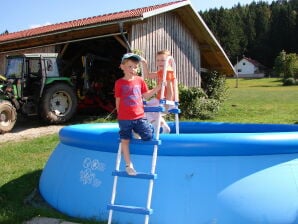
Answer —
45 220
29 128
32 127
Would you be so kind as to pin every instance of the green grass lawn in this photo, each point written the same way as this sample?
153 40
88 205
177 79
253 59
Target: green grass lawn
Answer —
259 101
254 101
21 166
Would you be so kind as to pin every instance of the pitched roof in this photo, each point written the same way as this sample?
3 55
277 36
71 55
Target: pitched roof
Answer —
101 19
254 62
213 56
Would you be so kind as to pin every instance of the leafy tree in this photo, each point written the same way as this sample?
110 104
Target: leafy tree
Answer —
279 64
291 66
286 65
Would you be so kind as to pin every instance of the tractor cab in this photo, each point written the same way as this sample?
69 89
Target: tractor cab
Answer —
29 73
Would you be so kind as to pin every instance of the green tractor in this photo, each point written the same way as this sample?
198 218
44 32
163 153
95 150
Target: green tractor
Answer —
32 86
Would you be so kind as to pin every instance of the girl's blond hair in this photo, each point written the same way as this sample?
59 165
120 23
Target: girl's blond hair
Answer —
166 52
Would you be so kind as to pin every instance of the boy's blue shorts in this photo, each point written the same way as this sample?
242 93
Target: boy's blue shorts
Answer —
140 126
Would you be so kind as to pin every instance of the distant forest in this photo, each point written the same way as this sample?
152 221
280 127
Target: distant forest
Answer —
258 30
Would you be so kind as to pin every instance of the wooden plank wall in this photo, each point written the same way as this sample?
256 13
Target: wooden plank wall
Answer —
166 31
48 49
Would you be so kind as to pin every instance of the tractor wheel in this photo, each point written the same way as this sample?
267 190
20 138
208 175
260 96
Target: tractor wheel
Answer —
58 104
8 116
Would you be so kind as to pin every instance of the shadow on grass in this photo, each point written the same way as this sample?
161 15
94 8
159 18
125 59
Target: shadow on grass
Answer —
20 201
265 86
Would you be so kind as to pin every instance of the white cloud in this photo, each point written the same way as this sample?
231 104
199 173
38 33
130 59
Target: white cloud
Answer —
39 25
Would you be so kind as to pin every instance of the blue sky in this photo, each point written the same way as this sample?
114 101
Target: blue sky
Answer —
26 14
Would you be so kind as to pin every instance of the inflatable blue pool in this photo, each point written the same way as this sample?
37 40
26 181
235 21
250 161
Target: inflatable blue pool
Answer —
210 173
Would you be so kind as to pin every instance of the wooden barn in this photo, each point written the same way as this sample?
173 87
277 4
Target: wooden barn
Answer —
175 26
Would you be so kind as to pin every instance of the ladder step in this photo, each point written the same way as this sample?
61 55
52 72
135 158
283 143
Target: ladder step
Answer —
130 209
169 102
174 111
154 109
147 176
142 142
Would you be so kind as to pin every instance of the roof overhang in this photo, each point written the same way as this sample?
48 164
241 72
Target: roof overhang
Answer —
65 36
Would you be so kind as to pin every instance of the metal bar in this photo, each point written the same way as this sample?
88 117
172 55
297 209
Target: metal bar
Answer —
118 161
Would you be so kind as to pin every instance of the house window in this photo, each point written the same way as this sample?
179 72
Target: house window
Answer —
243 63
239 70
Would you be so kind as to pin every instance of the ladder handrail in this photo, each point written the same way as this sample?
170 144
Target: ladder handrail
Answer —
118 161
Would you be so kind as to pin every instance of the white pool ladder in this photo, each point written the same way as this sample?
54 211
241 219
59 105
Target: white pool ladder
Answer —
148 176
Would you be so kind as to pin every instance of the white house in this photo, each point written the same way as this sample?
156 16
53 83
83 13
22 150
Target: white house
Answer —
249 68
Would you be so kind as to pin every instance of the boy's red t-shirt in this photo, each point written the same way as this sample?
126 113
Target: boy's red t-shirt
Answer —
131 101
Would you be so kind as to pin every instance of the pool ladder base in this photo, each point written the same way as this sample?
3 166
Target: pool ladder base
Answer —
147 211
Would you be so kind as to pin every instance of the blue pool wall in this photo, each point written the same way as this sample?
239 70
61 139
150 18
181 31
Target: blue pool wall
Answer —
210 173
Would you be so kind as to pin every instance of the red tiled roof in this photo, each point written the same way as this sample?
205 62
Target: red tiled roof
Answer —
128 14
254 62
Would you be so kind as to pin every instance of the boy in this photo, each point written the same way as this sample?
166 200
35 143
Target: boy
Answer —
129 93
